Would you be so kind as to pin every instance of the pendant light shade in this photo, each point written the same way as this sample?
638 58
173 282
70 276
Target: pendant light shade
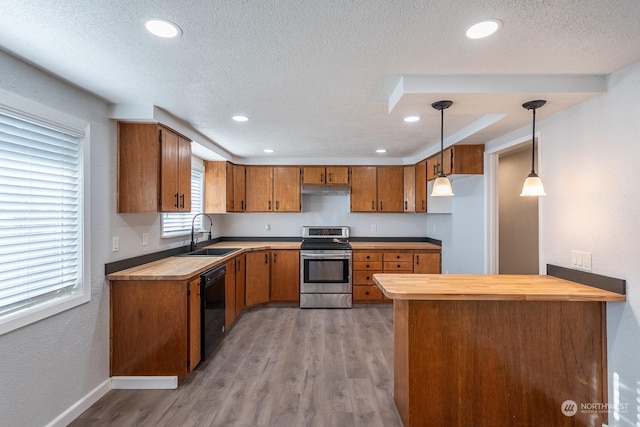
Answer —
442 185
533 184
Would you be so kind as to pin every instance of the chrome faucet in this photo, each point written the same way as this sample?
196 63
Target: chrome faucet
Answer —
193 243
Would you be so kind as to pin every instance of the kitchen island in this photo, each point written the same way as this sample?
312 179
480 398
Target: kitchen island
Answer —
498 350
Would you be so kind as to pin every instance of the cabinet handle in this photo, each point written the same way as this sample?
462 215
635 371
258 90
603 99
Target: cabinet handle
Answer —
176 196
398 266
277 205
367 265
368 257
417 259
269 205
330 177
266 258
406 206
321 177
373 206
380 204
397 256
368 278
182 203
241 205
423 207
366 292
232 205
275 257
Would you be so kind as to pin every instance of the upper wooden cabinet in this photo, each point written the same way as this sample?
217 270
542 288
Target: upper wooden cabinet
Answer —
377 189
364 189
154 169
224 188
286 189
273 189
415 187
457 159
329 175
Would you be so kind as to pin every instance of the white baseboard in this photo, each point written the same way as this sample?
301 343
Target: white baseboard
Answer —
81 405
145 383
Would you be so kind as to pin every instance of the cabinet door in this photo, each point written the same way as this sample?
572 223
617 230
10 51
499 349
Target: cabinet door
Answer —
195 323
426 262
259 188
363 189
313 175
216 177
257 278
337 174
230 294
433 167
240 283
421 186
409 188
169 151
390 188
238 188
285 275
184 175
138 167
286 189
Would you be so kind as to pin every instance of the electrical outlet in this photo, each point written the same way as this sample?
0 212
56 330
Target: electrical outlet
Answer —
374 227
581 260
145 239
115 244
267 226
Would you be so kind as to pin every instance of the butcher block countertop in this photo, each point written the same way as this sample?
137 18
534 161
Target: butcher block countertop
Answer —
480 287
186 267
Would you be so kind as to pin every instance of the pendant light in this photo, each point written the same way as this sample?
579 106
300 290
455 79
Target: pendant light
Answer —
442 185
533 184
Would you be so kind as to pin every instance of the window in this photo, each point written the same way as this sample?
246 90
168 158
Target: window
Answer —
179 224
42 234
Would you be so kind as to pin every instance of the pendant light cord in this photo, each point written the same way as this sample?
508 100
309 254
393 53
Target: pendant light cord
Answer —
533 143
441 143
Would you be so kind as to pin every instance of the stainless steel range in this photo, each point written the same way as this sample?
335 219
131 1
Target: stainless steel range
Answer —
325 268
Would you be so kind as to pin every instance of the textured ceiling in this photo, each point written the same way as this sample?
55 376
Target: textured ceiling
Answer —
330 80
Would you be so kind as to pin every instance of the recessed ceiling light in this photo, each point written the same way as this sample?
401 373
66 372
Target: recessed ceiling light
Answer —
240 118
162 28
268 150
411 119
381 151
484 29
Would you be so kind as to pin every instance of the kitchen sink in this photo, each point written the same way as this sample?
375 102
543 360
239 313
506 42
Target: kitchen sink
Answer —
212 252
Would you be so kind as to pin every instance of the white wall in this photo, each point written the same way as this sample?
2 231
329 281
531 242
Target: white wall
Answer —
590 157
48 366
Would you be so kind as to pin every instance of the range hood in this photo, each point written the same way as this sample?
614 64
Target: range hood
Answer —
325 189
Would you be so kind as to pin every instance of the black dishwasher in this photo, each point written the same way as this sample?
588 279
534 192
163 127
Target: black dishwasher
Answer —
212 314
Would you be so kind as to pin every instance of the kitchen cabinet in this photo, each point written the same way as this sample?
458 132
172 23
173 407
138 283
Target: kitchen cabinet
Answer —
286 189
415 187
273 189
240 262
285 275
458 159
230 294
390 188
365 265
154 169
363 189
329 175
426 262
377 189
224 187
257 278
155 327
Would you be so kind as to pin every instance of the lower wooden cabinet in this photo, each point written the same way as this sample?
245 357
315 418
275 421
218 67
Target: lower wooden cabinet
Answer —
257 278
230 294
366 263
285 275
240 262
155 327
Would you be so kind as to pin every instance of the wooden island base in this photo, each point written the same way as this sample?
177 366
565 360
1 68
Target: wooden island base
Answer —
496 360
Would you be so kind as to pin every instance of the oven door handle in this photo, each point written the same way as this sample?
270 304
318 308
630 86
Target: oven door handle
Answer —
326 256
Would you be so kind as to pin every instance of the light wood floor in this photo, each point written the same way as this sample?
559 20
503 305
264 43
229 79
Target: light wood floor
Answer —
277 367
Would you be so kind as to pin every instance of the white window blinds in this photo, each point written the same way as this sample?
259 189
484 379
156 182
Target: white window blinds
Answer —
175 224
41 212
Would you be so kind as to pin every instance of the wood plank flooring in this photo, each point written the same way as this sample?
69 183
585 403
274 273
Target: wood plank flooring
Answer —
278 366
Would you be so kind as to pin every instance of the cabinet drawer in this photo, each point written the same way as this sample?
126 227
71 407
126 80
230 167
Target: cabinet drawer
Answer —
367 266
398 256
406 266
362 256
367 293
364 277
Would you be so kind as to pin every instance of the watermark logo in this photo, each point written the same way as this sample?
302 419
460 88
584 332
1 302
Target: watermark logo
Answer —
569 408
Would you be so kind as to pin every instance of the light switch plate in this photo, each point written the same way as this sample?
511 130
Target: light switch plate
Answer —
581 260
